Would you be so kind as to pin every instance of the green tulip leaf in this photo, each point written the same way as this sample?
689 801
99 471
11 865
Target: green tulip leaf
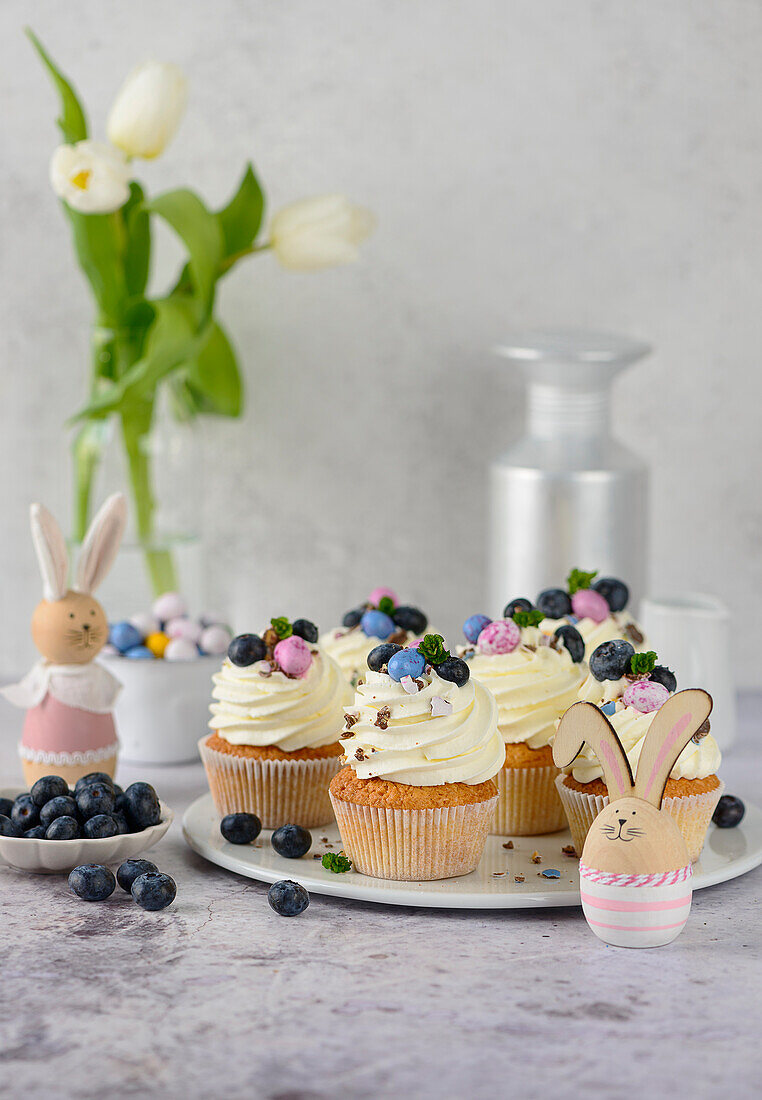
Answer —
201 234
137 252
99 245
214 378
72 122
241 218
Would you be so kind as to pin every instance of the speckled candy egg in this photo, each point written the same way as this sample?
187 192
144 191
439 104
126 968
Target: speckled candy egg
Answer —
645 696
144 623
293 656
183 628
587 604
215 640
157 643
378 594
180 649
139 653
169 606
500 636
124 636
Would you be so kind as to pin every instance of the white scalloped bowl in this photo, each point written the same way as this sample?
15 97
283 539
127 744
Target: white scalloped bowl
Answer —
56 857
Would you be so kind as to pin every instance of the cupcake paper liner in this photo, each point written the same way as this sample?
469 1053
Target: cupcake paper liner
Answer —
527 803
277 791
692 814
414 845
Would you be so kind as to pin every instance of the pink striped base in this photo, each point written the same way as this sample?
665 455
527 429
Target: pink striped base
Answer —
636 910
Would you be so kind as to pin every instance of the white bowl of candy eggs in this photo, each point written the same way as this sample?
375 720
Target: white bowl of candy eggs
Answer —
165 660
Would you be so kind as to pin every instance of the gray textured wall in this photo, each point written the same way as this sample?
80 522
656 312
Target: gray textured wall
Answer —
571 163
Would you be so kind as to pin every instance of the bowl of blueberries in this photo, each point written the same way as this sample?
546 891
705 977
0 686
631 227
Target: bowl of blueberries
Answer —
51 829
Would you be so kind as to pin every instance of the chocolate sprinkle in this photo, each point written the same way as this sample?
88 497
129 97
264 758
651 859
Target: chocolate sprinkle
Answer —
382 718
360 755
632 632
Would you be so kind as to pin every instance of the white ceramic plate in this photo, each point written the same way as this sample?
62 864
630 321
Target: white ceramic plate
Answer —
55 857
727 854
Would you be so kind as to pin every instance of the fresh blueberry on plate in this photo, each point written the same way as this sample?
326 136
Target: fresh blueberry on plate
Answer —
7 828
100 826
62 806
132 869
92 777
6 806
729 812
25 813
154 890
63 828
381 655
611 660
36 833
92 882
122 824
287 898
240 828
554 603
303 628
49 786
96 799
291 841
142 807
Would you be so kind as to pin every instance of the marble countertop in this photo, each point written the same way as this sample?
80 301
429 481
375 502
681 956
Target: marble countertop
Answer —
217 996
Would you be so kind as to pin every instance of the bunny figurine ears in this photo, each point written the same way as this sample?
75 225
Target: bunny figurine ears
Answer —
673 726
97 553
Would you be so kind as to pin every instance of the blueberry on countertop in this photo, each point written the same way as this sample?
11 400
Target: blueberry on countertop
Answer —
611 660
519 604
474 625
411 619
132 869
615 592
455 670
245 649
554 603
25 814
36 833
95 800
352 618
154 890
665 676
729 812
573 641
141 806
305 629
381 655
287 898
92 777
291 841
240 828
406 662
7 828
376 624
6 805
62 806
100 826
49 786
63 828
92 882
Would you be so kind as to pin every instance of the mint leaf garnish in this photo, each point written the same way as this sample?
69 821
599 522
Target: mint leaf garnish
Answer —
282 627
643 663
528 618
579 579
433 650
386 604
336 862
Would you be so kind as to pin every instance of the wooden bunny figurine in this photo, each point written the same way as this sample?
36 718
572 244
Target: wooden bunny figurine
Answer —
635 872
69 727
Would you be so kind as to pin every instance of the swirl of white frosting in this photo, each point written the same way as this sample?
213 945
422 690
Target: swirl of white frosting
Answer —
533 687
250 708
417 747
696 761
594 634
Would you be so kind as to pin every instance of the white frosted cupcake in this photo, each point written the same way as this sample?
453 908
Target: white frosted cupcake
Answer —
277 711
380 619
597 608
416 796
534 679
630 688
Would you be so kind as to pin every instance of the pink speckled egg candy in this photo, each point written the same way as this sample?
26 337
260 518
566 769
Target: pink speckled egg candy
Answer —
378 594
293 656
169 606
587 604
183 628
645 696
180 649
500 636
215 640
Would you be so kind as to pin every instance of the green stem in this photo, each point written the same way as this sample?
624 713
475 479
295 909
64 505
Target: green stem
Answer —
159 563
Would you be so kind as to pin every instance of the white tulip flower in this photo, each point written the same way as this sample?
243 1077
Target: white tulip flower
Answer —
320 232
91 177
148 110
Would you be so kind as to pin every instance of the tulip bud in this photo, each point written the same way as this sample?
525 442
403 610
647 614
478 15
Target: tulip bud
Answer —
319 232
148 109
91 177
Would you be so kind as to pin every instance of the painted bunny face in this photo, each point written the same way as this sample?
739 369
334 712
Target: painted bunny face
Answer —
70 631
624 821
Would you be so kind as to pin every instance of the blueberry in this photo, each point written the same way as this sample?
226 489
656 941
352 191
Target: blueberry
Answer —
303 628
100 826
7 828
50 786
729 812
153 890
6 805
124 636
411 619
117 791
92 777
92 882
287 898
352 618
95 799
615 593
122 824
36 833
474 625
291 841
381 655
406 662
454 670
25 814
377 625
142 807
665 676
132 869
245 649
240 828
611 660
554 603
519 604
573 641
62 806
63 828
